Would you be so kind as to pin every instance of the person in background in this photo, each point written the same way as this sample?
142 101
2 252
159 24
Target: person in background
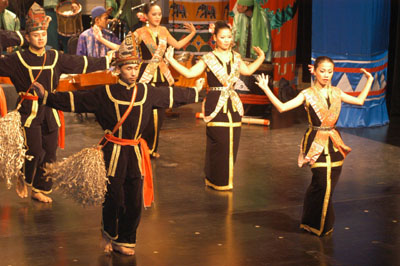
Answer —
251 27
122 10
153 40
8 20
322 147
88 44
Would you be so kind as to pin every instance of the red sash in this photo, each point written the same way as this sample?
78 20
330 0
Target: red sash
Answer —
148 192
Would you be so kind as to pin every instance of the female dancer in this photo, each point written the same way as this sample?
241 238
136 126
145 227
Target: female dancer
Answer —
153 40
222 108
322 147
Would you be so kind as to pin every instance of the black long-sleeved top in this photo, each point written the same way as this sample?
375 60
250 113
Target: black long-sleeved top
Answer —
110 102
10 38
23 67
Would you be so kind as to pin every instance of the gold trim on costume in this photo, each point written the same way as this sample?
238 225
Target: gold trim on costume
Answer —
35 52
20 37
40 191
230 183
56 117
224 124
230 125
35 107
155 118
221 188
85 66
30 71
107 234
171 97
126 102
321 164
71 101
128 245
327 192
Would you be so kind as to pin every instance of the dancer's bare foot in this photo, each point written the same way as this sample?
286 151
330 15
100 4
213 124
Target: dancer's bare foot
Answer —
124 250
41 197
21 188
106 243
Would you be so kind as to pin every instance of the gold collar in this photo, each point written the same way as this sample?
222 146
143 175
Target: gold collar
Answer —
37 53
128 87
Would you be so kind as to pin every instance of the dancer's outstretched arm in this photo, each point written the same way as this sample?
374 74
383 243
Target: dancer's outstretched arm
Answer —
359 100
248 70
262 82
194 71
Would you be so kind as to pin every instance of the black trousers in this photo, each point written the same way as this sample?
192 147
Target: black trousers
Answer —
123 202
42 146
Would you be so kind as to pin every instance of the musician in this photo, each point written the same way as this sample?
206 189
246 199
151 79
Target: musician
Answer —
126 153
8 20
251 27
88 44
41 124
122 10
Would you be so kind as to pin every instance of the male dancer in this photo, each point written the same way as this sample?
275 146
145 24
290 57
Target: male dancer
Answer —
126 153
41 123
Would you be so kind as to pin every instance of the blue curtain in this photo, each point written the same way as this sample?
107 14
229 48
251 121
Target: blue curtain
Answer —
355 34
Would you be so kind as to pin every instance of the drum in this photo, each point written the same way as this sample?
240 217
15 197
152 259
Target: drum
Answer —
188 60
69 18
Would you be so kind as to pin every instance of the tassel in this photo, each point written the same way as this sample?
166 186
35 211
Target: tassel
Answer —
12 147
81 176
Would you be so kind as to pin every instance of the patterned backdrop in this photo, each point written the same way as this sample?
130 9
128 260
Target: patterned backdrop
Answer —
201 13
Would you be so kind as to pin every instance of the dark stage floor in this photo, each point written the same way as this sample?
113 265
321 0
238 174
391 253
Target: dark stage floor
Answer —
256 224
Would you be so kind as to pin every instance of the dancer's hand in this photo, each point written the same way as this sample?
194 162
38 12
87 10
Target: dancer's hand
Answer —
311 69
39 89
169 54
262 81
190 27
259 51
199 84
367 74
97 33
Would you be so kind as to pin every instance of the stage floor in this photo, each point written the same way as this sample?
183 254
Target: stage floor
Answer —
255 224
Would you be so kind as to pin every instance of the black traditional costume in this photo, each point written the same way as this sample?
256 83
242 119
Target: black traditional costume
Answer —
126 153
153 70
322 148
41 123
222 112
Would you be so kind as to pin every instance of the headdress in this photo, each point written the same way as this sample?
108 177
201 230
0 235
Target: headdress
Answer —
128 52
36 19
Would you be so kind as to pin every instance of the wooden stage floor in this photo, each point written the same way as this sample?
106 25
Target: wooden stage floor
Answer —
255 224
